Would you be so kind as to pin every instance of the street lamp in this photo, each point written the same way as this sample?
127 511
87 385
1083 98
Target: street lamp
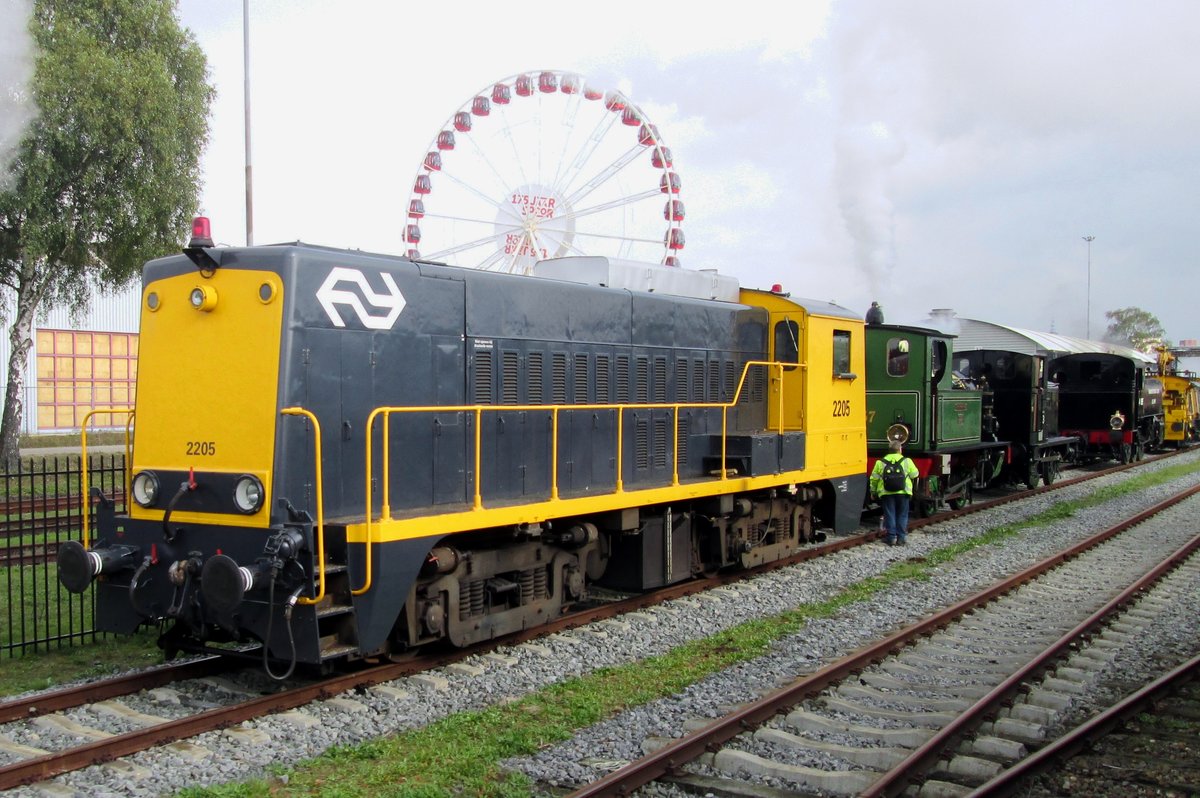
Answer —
246 95
1089 240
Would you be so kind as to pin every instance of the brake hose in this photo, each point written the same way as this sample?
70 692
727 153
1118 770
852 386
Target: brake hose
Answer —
287 616
133 583
184 487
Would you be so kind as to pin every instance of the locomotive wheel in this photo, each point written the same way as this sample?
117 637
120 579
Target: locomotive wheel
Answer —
968 495
1126 453
925 507
1139 451
1050 472
1031 478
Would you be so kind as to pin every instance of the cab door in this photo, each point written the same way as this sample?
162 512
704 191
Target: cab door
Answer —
785 400
1038 425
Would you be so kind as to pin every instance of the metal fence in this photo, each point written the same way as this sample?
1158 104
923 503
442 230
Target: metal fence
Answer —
41 507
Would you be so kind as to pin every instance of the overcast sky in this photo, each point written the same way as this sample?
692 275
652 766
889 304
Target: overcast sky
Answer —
925 154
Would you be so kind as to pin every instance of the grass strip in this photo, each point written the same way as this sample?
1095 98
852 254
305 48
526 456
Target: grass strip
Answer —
460 754
108 655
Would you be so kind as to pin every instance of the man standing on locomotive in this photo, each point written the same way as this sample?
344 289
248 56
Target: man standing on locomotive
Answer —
891 485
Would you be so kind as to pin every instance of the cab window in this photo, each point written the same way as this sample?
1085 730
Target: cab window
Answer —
787 342
841 354
897 357
940 355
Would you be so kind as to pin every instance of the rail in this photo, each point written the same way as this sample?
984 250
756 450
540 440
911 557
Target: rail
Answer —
682 750
83 463
554 409
300 411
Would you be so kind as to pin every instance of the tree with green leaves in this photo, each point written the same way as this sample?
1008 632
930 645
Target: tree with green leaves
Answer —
1134 327
107 175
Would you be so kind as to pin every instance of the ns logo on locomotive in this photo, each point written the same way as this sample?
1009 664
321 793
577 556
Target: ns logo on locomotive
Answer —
343 455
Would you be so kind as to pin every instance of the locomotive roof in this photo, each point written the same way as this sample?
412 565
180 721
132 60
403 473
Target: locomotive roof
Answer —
814 307
817 307
928 332
627 275
637 276
975 334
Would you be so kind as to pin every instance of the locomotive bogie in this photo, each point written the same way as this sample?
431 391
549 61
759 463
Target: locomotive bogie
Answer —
493 591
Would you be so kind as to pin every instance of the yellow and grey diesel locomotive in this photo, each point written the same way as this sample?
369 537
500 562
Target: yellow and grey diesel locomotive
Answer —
340 454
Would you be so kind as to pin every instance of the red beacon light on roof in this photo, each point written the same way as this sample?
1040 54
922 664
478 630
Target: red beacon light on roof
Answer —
547 83
660 156
592 93
445 140
524 85
481 106
422 185
199 249
670 183
462 121
674 238
571 84
201 232
416 209
433 161
614 101
501 94
777 288
674 210
412 234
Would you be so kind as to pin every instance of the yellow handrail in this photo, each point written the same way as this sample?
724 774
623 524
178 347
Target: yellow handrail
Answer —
300 411
478 411
83 465
366 585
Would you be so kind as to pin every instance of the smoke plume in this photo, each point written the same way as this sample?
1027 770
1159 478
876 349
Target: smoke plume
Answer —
17 108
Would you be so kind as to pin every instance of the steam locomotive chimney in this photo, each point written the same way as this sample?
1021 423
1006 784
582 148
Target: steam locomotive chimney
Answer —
875 314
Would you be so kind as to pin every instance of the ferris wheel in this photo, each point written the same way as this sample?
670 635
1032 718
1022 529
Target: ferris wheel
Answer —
542 165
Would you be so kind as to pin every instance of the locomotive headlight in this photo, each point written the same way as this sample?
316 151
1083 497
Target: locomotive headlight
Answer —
203 298
145 488
1117 421
248 494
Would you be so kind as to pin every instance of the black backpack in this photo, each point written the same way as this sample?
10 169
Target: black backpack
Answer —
893 475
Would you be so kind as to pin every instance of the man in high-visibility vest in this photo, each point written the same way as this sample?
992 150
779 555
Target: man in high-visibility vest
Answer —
892 485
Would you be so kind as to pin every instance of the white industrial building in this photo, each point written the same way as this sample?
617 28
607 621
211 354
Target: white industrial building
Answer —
76 367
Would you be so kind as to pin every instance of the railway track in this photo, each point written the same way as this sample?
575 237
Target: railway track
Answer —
30 765
946 703
40 514
25 520
1147 744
